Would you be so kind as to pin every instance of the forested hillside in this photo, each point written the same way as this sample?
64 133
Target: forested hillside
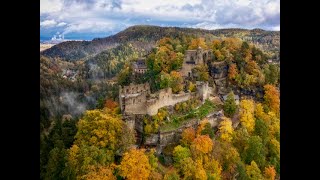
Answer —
144 37
83 134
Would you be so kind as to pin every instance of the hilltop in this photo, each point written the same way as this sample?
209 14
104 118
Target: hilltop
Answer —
144 37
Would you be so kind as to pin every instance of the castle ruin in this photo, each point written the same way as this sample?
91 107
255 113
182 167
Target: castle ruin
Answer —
137 98
193 58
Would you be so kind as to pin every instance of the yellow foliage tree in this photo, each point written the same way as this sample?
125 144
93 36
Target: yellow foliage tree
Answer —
260 114
101 173
100 129
253 171
216 44
226 129
135 165
191 87
247 114
198 42
213 169
274 126
269 173
176 81
200 173
187 168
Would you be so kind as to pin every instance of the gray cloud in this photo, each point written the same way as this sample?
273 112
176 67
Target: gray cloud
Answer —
108 16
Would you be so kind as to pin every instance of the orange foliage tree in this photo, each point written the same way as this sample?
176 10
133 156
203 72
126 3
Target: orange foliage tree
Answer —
233 71
272 98
201 145
188 136
269 173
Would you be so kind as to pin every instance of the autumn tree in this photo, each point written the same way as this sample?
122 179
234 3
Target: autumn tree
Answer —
272 73
188 135
274 154
246 51
191 87
229 157
217 53
232 72
255 151
180 153
252 68
241 169
200 172
81 159
198 42
100 172
100 129
216 44
247 114
165 80
171 174
274 125
230 107
269 173
135 165
226 129
201 145
253 171
201 71
207 130
201 126
240 139
260 113
110 104
153 160
187 168
261 130
272 98
213 169
176 81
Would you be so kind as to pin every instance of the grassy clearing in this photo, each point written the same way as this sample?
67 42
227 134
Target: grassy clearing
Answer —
179 120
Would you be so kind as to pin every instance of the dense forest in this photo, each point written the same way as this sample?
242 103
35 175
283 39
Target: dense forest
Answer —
144 37
82 132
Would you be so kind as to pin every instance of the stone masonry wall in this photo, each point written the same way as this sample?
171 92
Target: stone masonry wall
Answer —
165 98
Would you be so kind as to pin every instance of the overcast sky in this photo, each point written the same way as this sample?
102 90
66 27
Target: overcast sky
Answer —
87 19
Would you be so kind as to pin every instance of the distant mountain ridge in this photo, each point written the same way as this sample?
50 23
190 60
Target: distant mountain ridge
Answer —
145 36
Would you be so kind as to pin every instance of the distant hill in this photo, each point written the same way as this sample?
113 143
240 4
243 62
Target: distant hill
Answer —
144 37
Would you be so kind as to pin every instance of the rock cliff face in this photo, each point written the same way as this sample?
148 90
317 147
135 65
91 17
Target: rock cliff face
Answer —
165 138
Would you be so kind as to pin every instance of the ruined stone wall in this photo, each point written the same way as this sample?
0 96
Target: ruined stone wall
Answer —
190 55
134 88
165 98
132 98
203 90
136 104
186 69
